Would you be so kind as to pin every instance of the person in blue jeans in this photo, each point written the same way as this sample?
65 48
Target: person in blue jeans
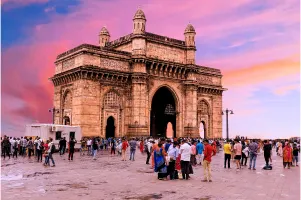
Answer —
253 147
199 150
133 145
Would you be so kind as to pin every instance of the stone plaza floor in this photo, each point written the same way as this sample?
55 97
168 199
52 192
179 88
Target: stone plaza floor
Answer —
110 178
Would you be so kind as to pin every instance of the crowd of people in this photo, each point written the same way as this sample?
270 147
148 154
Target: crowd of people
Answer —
173 158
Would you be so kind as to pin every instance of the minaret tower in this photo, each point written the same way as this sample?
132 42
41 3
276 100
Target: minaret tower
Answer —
104 36
190 44
138 41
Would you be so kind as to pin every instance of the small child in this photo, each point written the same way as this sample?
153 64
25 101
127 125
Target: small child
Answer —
119 148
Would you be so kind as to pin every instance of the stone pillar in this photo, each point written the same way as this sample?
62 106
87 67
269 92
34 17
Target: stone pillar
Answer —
140 112
57 105
86 107
190 120
217 116
139 120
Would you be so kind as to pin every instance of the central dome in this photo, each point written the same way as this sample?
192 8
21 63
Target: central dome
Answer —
139 14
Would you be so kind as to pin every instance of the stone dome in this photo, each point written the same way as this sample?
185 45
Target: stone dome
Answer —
104 31
139 14
189 29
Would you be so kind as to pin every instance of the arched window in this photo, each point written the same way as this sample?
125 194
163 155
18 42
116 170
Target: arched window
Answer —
67 101
203 108
111 100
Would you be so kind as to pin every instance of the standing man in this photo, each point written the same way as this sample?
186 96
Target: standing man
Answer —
72 143
24 145
133 145
185 151
51 151
253 147
148 150
237 151
227 151
89 143
267 148
123 148
172 152
6 146
200 149
61 146
39 149
208 153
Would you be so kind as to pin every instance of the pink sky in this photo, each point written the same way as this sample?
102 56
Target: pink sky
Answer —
254 43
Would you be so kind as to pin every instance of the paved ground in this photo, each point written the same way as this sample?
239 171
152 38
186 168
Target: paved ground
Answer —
110 178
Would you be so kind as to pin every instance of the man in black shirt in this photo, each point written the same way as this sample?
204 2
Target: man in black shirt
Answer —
267 148
72 143
64 143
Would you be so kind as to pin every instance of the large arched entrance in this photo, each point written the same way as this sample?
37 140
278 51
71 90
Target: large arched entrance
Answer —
110 128
163 111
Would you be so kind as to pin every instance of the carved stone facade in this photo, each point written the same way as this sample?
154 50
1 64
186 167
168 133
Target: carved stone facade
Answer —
110 89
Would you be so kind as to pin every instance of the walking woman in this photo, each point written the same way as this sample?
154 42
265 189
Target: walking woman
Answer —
287 155
159 158
141 145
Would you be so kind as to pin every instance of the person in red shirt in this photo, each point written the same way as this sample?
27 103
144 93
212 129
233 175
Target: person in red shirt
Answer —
209 151
123 148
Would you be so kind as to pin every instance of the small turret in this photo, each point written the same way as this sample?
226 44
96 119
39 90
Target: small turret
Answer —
139 22
104 36
190 36
190 44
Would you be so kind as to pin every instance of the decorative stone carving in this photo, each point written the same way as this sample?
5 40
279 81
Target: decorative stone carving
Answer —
113 64
204 80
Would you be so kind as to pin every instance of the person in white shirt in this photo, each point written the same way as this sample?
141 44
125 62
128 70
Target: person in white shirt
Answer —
185 151
89 143
173 153
149 145
50 152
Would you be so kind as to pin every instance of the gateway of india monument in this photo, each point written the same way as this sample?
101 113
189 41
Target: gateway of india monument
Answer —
136 85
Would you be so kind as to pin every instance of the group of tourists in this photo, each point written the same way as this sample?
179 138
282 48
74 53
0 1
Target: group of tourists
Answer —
173 158
28 147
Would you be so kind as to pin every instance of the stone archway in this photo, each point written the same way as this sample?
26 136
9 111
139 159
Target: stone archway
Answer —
163 111
66 114
204 117
110 127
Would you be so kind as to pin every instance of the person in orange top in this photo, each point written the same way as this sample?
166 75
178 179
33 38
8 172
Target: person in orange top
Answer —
123 148
141 146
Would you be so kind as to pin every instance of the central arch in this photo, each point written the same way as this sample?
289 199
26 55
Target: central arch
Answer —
163 111
110 128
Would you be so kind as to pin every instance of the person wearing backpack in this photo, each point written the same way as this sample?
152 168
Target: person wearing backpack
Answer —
51 150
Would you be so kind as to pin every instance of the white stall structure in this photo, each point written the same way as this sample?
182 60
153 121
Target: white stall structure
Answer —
54 131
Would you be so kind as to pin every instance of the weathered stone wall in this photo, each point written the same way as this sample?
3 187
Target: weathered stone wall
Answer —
86 107
126 47
167 53
190 117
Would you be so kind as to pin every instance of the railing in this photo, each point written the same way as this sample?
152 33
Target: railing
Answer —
92 47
